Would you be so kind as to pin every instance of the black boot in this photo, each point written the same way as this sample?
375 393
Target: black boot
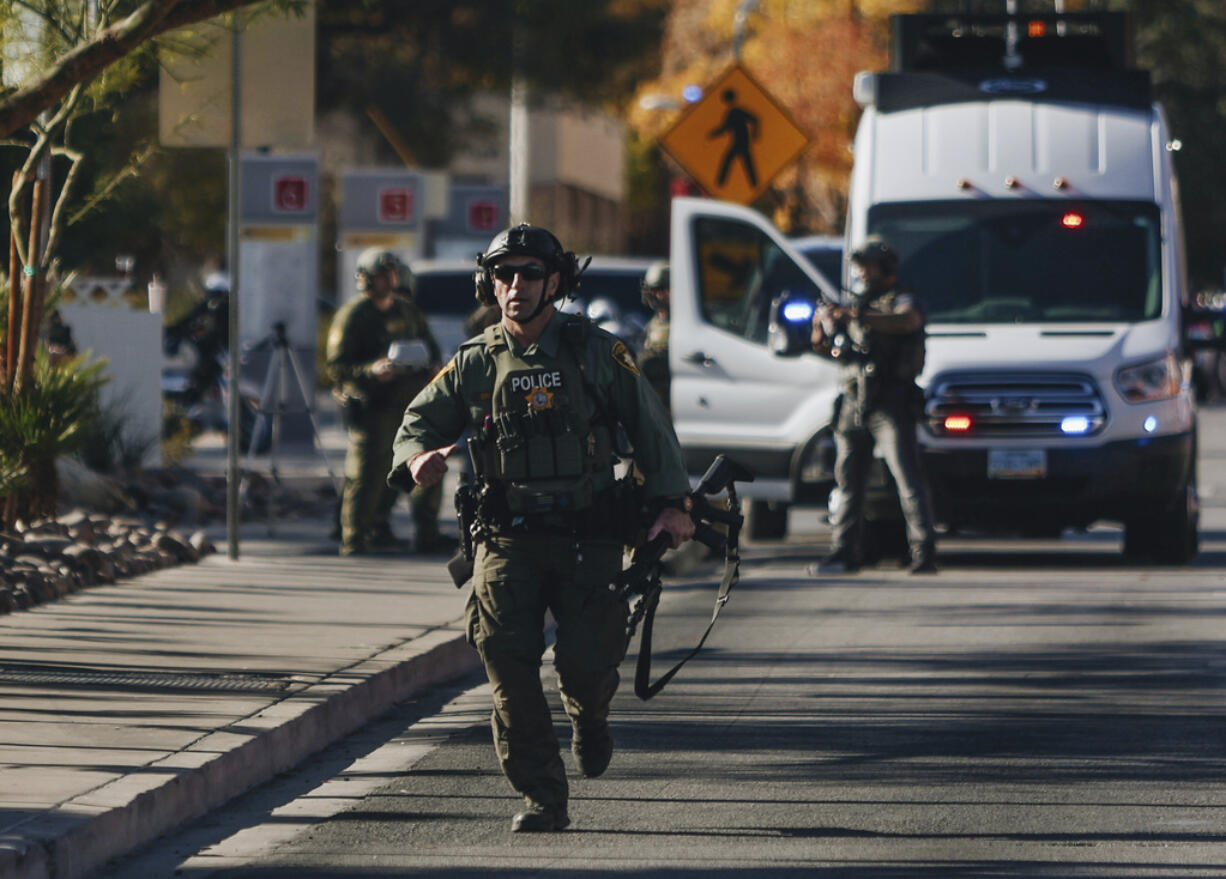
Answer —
841 561
923 559
593 749
540 819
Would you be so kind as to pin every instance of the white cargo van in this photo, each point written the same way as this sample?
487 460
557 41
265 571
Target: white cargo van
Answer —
1035 208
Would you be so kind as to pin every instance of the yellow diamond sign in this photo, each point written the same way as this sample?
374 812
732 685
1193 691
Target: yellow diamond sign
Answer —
736 139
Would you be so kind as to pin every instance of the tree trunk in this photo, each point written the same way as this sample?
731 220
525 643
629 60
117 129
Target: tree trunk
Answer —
14 316
32 306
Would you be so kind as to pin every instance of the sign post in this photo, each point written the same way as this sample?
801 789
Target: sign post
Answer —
736 139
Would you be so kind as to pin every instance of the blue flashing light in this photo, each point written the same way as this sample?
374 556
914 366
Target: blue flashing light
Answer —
797 312
1151 424
692 93
1075 424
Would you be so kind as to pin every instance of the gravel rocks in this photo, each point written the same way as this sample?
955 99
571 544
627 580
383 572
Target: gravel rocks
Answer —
160 527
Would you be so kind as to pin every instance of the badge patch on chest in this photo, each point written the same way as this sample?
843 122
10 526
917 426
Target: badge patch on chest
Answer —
536 388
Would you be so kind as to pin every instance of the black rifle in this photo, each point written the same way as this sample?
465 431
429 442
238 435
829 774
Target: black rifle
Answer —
643 575
471 508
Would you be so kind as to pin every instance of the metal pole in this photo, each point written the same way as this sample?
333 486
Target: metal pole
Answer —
233 510
738 35
1012 59
520 146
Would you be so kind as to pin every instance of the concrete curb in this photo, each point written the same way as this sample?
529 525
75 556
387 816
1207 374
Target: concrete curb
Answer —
120 817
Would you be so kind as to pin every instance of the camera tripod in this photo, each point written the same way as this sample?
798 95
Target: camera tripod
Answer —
273 404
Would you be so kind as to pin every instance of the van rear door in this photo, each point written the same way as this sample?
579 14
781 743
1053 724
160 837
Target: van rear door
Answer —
730 393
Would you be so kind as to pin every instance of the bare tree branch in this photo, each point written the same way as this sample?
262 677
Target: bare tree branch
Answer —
83 63
131 169
61 202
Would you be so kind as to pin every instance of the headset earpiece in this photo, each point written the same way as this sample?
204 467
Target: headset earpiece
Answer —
484 286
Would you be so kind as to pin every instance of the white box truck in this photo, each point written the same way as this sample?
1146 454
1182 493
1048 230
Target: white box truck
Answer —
1025 175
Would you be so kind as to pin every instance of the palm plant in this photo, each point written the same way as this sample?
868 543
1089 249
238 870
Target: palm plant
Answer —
48 417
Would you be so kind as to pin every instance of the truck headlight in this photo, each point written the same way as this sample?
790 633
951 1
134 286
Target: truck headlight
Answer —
1156 380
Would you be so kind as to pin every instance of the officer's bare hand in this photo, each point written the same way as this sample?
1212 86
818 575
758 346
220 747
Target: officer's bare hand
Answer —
429 467
679 526
384 369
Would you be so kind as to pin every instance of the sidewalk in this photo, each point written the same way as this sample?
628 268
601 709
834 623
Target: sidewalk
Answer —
132 708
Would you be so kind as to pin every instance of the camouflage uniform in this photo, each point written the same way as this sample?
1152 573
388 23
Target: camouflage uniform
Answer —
569 386
361 335
653 358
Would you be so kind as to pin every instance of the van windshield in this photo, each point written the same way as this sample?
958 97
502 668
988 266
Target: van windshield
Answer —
1028 261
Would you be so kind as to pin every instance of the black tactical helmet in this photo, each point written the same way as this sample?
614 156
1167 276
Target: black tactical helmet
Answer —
877 250
527 240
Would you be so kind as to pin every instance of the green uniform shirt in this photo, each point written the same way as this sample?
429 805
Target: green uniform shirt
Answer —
361 335
461 397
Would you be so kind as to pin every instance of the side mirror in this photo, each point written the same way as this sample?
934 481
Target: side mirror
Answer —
791 324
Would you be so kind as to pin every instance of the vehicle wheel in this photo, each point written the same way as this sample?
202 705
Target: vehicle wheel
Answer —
766 520
1169 539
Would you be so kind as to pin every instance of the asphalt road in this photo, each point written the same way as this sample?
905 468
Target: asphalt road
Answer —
1039 708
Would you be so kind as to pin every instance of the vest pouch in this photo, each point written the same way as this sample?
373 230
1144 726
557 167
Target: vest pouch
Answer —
599 449
512 458
568 455
540 457
554 496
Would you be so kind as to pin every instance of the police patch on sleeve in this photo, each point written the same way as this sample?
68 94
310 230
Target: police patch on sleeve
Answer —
442 372
623 357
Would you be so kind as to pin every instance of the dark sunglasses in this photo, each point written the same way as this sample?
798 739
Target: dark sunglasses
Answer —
530 272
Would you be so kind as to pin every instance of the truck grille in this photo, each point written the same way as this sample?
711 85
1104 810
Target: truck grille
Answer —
1015 405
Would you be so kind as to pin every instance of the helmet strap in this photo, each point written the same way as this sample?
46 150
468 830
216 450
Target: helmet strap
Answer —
545 300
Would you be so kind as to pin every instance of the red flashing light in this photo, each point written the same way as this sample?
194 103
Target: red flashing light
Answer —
1036 29
957 423
1072 221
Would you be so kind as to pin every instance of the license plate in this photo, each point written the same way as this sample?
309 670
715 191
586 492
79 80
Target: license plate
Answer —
1017 463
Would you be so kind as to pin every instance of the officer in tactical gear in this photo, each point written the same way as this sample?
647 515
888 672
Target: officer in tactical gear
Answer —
880 342
374 391
653 358
542 394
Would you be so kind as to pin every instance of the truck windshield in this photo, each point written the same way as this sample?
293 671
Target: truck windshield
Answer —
1028 261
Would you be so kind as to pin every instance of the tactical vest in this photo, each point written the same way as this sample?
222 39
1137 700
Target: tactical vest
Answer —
549 446
894 356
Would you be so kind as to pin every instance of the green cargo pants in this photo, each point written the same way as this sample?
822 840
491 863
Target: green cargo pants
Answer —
367 500
515 580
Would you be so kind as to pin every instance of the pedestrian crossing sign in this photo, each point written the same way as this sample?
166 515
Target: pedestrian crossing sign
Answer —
735 139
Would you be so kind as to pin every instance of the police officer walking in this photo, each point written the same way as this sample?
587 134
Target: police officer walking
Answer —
653 358
542 393
375 390
880 342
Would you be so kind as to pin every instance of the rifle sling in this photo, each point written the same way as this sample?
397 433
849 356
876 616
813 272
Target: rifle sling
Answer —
643 688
